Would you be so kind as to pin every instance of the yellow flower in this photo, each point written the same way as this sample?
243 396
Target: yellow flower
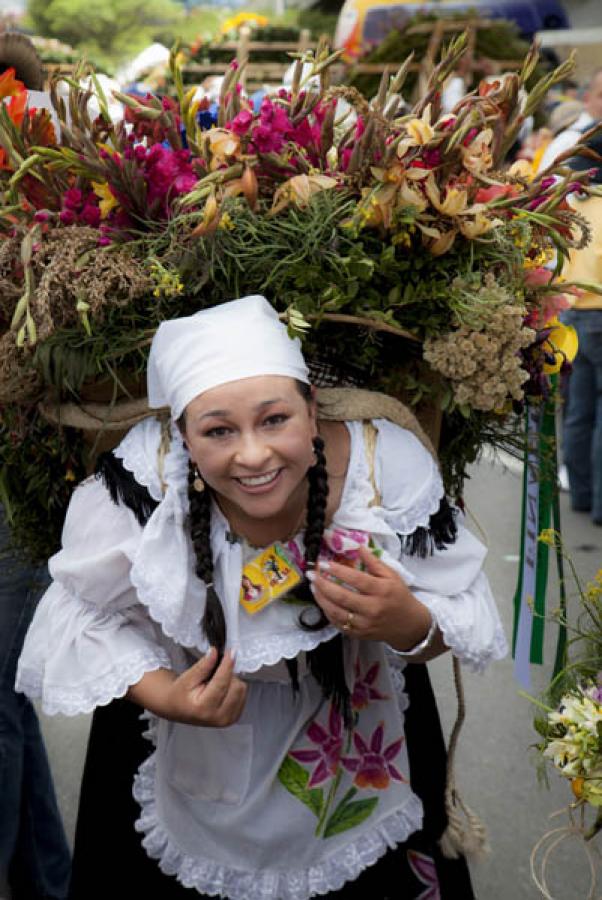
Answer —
577 787
299 189
548 536
563 343
246 184
210 219
243 18
521 169
419 131
222 144
410 196
70 475
442 244
477 156
107 199
454 202
481 224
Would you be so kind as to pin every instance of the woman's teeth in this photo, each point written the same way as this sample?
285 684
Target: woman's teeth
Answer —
259 479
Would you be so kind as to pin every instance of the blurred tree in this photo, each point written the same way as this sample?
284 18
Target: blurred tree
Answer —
111 30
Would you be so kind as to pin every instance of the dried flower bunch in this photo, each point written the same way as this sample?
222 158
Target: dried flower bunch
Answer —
363 226
484 366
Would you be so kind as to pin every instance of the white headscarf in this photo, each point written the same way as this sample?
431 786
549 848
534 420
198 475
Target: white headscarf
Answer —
225 343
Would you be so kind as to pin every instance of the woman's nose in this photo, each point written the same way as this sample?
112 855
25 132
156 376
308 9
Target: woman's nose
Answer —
252 452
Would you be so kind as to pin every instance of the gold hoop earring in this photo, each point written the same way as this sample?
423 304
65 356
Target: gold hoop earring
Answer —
198 483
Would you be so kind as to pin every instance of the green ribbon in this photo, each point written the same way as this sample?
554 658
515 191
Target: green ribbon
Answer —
541 457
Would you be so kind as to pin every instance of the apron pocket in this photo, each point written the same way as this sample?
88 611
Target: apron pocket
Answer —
211 763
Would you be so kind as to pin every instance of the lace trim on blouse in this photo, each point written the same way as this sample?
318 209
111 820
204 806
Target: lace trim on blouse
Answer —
84 698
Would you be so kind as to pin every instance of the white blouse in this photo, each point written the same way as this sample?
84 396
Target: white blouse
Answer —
286 803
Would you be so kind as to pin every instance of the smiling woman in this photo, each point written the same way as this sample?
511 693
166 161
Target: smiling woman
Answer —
263 576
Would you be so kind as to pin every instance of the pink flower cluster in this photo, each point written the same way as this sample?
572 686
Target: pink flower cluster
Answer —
271 129
80 207
167 174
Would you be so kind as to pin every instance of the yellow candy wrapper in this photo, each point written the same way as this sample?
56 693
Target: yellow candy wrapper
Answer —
270 576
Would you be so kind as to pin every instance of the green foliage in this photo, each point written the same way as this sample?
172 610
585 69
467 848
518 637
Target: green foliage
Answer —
498 41
318 22
110 30
35 496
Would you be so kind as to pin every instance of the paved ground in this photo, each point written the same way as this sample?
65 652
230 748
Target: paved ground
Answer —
496 772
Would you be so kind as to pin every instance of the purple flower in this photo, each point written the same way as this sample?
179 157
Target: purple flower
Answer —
329 745
533 204
547 182
373 767
363 689
424 869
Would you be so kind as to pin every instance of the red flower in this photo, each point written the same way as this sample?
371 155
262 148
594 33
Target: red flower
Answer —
486 195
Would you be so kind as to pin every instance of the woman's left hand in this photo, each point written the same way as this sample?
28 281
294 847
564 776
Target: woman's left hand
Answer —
375 604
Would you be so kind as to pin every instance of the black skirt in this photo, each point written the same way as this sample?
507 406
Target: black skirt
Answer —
109 861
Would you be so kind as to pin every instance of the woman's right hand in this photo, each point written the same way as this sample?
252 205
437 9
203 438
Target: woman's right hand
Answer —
196 697
199 696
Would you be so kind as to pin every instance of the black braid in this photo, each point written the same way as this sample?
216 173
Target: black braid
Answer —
326 661
214 622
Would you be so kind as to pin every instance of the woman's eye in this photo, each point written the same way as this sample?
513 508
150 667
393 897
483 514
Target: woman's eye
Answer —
219 431
276 419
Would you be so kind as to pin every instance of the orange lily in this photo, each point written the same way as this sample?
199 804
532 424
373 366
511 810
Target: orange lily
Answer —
9 85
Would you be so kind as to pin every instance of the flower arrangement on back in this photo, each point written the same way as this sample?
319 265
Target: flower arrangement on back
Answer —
368 225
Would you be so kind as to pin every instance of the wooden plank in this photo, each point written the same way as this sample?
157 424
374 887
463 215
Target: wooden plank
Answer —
285 46
450 25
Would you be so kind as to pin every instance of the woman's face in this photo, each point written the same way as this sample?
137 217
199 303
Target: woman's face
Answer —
251 441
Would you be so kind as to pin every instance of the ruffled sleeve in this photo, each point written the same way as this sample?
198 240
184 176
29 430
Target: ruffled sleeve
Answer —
450 580
90 639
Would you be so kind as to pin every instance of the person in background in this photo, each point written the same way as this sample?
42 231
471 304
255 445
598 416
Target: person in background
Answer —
583 418
35 861
34 856
592 113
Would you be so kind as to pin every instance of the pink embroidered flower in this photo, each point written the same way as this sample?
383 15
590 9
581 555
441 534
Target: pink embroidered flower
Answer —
373 767
329 745
423 867
363 689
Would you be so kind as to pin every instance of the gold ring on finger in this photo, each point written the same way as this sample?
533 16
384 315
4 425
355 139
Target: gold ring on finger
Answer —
348 625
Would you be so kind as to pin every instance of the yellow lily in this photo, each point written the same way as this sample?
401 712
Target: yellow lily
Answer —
563 343
443 243
299 189
107 200
223 144
246 185
454 202
419 131
521 168
474 228
409 196
477 156
210 218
